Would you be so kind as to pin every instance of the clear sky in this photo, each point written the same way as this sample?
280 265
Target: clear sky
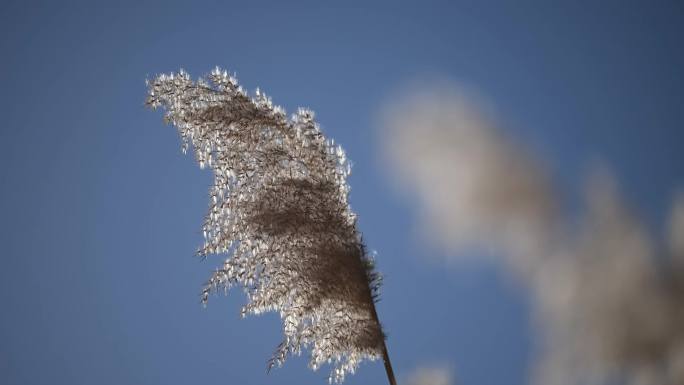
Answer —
100 212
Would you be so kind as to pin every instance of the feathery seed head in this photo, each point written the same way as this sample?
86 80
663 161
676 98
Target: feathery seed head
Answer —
279 209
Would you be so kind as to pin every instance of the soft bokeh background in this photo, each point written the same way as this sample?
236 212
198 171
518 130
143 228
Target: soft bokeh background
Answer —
100 212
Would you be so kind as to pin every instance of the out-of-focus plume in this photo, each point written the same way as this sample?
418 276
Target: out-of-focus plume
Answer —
473 185
279 209
676 230
430 375
608 297
611 308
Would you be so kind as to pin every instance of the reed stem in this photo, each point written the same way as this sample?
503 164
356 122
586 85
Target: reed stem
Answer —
388 365
385 355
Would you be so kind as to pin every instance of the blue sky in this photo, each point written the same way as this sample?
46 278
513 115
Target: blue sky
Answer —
101 212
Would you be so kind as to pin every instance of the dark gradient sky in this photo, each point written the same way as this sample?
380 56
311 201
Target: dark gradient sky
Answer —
100 212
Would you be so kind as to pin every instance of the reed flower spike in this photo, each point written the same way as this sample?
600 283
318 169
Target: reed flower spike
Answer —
279 209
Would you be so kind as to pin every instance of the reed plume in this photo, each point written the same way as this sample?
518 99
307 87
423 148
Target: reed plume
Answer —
279 209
